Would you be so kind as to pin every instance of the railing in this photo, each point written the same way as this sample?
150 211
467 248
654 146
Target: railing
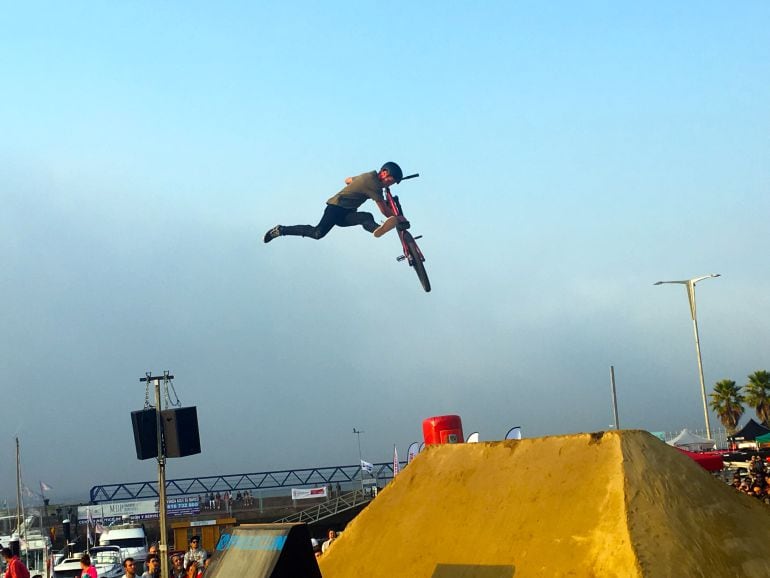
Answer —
327 509
233 483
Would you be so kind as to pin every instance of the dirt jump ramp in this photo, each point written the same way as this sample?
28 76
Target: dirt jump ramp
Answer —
604 504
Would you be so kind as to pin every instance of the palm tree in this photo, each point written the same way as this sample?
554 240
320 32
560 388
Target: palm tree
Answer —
758 394
727 401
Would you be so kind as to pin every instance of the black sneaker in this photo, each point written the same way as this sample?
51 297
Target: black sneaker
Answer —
273 233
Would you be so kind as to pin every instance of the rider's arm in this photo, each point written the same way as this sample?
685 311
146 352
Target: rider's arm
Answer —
385 208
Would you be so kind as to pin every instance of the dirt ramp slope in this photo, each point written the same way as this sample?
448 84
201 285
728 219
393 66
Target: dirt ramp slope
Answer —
612 504
685 523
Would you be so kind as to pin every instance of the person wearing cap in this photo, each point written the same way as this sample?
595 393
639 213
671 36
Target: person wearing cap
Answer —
342 208
177 566
195 553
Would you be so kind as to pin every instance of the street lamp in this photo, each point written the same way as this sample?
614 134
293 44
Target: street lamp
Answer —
690 285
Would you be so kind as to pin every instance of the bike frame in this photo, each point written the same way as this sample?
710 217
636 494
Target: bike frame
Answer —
411 252
395 206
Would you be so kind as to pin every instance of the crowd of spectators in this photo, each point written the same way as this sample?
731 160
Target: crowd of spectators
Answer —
756 482
225 500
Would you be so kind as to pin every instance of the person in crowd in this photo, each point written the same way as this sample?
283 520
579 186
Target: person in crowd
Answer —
177 566
332 536
154 549
89 570
194 570
195 553
130 567
15 568
152 566
745 485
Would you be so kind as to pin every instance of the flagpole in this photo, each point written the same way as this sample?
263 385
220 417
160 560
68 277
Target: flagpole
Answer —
360 457
19 503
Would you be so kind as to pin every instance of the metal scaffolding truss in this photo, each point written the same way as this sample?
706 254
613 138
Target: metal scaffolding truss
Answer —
238 482
328 509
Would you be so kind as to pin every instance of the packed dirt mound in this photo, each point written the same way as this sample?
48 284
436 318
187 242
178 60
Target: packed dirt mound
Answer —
606 504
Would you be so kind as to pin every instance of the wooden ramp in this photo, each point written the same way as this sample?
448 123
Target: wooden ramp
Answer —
264 551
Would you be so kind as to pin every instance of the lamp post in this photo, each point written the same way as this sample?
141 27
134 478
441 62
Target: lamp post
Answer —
690 285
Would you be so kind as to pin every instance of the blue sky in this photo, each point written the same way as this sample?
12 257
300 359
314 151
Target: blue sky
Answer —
571 155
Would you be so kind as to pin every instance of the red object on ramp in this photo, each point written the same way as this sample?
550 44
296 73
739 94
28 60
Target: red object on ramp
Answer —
442 429
709 461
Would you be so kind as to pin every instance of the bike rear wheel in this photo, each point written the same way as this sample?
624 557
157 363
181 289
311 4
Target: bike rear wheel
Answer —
416 261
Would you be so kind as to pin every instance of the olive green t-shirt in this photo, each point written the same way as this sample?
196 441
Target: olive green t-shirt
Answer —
364 186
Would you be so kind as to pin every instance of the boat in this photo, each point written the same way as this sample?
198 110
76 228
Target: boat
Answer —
69 567
108 561
34 544
130 537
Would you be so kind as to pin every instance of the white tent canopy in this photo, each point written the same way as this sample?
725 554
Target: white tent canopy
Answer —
692 442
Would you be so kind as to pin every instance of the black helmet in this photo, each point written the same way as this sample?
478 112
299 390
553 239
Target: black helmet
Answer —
393 170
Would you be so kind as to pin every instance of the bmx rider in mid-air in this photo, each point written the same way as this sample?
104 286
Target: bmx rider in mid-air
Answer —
341 209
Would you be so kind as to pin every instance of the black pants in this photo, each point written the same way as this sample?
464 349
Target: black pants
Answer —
333 215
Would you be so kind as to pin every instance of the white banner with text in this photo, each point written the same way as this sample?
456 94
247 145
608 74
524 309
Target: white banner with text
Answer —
305 493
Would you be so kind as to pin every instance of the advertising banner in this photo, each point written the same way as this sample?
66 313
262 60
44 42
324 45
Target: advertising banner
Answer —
111 512
414 449
305 493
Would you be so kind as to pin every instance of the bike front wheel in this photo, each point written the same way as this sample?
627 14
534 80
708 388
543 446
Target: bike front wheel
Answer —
416 261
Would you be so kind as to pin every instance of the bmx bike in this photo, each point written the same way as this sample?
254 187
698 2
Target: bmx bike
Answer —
412 253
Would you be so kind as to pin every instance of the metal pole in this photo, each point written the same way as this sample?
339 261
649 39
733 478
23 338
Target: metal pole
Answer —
614 397
162 546
360 457
700 374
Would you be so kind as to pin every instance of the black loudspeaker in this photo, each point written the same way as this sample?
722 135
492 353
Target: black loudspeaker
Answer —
145 436
180 431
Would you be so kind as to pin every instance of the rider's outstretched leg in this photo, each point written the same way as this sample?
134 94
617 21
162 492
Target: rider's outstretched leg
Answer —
331 216
366 220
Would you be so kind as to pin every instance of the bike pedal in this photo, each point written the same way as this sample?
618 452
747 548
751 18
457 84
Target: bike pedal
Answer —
400 258
418 237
